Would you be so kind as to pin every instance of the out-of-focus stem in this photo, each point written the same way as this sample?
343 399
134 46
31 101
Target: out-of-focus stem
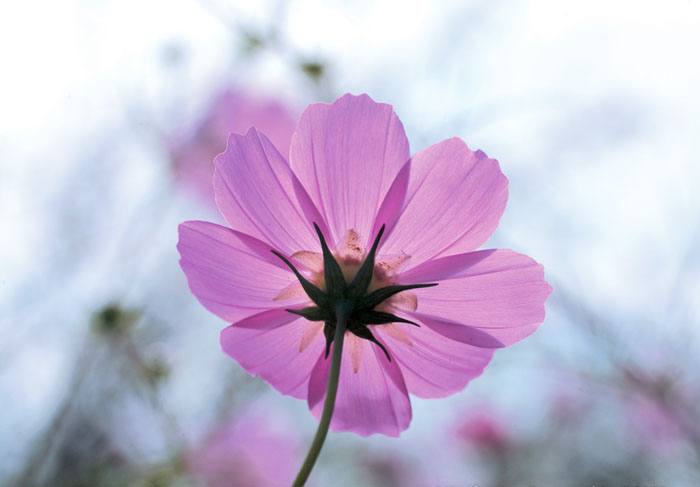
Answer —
341 313
37 457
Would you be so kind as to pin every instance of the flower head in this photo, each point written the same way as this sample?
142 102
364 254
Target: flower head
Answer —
353 220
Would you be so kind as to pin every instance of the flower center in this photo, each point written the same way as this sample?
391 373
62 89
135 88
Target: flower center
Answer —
352 287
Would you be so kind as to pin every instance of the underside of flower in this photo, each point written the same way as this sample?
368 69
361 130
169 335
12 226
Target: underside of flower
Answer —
355 298
350 170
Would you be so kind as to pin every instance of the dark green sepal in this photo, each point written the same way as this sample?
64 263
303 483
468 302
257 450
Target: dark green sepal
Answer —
364 332
329 333
383 293
315 294
312 313
335 281
360 283
351 300
374 317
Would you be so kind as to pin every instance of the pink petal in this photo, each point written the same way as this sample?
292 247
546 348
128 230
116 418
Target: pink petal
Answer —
447 267
389 266
293 291
433 365
404 301
268 344
225 275
372 400
490 298
351 248
454 201
238 111
250 449
312 261
389 212
258 195
482 337
194 149
312 331
347 155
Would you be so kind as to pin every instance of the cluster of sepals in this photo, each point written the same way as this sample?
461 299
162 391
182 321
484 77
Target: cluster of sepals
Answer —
352 298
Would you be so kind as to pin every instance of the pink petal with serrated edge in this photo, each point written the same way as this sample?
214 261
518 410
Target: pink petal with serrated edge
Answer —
267 344
225 275
346 155
491 293
194 150
373 400
454 201
258 195
433 365
390 210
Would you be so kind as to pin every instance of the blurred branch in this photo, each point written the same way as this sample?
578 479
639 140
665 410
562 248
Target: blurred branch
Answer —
254 40
46 442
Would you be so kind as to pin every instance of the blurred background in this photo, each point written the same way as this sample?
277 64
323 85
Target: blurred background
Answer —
111 372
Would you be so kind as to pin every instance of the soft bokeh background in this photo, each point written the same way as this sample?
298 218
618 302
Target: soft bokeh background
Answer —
111 372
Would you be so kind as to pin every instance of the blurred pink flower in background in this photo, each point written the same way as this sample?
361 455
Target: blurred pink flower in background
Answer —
652 424
570 399
193 149
247 452
655 408
391 469
484 429
350 171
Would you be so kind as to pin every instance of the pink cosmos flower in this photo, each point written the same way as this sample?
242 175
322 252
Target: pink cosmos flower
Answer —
485 429
247 452
230 111
392 226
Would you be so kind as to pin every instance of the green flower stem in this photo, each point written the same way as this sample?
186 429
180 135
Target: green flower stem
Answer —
341 312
